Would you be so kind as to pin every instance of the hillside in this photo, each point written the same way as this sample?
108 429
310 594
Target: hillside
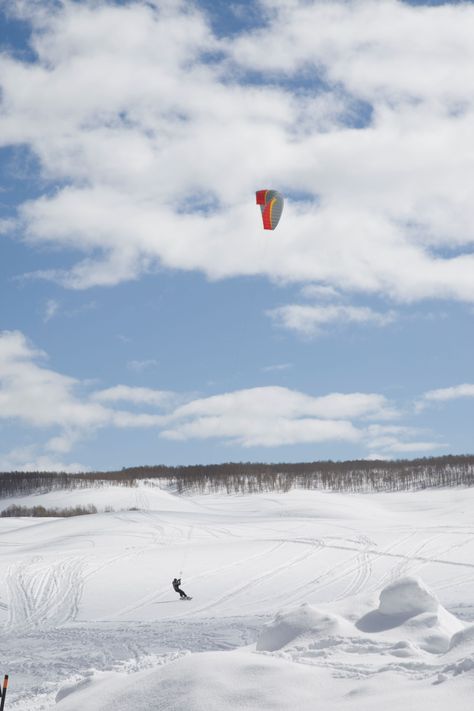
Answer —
89 616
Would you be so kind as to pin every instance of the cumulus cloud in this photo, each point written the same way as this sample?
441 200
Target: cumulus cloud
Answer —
140 365
138 396
413 447
388 440
441 395
50 310
36 395
29 460
122 95
277 367
309 319
320 291
6 226
39 398
273 416
451 393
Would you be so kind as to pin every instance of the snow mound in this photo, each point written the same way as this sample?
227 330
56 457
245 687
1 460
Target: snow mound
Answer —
67 689
246 681
234 681
407 596
408 609
409 622
463 640
433 632
293 624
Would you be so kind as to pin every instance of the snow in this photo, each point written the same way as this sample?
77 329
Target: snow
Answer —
297 623
245 681
211 681
352 601
407 596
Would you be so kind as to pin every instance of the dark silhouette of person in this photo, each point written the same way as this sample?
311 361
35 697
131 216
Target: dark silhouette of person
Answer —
176 584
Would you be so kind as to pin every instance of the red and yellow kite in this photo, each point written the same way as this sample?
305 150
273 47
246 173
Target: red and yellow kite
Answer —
271 205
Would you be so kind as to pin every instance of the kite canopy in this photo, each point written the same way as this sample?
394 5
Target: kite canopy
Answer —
271 205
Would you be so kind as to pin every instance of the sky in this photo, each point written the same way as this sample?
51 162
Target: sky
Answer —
145 315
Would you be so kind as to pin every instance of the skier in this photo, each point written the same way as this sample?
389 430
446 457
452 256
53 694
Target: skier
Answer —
182 594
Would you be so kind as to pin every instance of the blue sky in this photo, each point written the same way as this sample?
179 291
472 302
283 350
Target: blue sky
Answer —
146 317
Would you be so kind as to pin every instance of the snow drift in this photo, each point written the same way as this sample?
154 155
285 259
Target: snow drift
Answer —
407 596
409 619
89 618
298 623
213 681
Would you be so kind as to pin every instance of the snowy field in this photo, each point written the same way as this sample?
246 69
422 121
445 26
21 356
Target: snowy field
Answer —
301 601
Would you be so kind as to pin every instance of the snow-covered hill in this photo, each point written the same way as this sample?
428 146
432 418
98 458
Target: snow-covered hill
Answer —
356 599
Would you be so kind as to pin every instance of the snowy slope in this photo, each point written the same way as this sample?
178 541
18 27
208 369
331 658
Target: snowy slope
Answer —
247 681
89 600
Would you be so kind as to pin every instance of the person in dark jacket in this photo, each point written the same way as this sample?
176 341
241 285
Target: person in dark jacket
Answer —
176 584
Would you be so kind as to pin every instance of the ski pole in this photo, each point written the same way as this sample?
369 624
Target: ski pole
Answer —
4 692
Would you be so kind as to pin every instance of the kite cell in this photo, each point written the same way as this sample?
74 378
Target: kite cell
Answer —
271 205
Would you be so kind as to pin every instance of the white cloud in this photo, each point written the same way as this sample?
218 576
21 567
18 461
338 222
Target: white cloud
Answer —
64 442
309 320
440 395
273 433
50 310
369 46
276 368
413 447
37 397
272 416
40 397
391 439
138 396
286 402
319 291
451 393
125 107
6 226
140 365
30 460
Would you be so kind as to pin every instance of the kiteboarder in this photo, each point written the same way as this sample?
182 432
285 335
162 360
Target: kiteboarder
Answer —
182 594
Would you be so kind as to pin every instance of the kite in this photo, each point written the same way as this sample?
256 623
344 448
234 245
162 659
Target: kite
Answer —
271 205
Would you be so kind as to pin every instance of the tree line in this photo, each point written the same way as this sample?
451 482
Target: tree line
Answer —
250 477
42 512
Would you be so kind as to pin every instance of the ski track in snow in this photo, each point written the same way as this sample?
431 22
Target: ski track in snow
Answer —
158 595
362 572
253 583
44 659
272 562
402 567
42 594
